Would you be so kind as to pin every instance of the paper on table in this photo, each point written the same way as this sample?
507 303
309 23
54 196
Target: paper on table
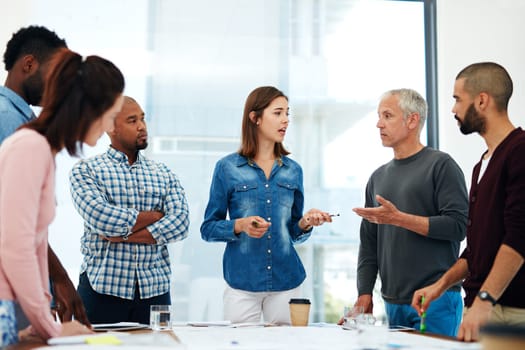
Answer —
418 341
149 340
119 326
222 324
307 338
107 338
251 324
400 329
210 323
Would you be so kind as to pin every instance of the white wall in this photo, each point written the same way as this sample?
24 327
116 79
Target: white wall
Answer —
474 31
468 31
11 20
87 31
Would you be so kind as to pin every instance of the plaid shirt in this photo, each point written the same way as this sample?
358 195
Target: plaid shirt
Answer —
109 194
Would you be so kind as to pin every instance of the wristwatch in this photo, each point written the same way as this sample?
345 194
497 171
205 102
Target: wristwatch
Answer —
485 296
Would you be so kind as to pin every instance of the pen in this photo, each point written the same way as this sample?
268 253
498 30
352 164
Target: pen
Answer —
422 325
332 215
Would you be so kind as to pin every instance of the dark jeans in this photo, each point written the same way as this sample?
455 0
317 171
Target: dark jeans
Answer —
103 308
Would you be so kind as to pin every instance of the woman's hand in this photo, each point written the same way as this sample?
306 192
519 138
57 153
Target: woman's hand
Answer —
74 328
253 226
314 217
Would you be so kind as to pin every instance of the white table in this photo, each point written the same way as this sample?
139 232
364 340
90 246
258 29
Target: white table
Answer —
307 338
313 337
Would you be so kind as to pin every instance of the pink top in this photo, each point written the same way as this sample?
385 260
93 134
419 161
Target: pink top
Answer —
27 207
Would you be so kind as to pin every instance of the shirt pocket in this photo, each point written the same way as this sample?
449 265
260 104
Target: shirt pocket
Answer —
245 195
151 197
286 193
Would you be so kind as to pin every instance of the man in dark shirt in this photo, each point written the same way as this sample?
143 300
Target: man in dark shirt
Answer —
492 263
413 221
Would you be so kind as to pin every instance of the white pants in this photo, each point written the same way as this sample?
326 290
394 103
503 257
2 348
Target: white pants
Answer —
241 306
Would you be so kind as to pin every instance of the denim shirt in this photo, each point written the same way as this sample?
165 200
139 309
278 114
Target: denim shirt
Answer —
239 189
14 111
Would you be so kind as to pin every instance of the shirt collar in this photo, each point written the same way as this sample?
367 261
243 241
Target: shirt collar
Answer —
18 102
121 157
242 160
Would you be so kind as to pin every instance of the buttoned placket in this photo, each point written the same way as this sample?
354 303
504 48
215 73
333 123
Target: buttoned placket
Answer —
135 194
132 170
268 215
267 196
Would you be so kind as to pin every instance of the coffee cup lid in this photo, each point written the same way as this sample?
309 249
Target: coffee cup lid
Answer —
299 301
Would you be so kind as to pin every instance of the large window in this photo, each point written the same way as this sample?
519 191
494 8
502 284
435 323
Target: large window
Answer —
192 63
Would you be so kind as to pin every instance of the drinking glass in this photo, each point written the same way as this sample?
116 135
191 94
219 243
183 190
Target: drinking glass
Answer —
160 317
352 315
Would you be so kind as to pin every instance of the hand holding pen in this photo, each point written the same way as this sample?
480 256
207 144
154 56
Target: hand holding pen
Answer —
253 226
422 324
422 299
315 217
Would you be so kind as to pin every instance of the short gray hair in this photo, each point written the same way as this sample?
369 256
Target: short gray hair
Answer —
410 101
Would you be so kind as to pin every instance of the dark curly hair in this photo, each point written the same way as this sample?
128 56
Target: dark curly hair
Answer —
33 40
76 95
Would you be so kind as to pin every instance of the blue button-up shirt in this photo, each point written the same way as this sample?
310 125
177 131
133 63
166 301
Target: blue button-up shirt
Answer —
109 194
239 189
14 111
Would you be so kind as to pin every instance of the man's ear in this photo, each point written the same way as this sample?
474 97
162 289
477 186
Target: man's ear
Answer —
413 120
483 100
29 64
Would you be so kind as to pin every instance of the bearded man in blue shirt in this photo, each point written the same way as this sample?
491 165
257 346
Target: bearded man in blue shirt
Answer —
132 207
26 60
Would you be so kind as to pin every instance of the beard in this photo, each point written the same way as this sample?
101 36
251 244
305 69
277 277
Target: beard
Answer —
33 89
473 121
141 145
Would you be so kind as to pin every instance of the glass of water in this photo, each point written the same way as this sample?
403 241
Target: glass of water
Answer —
352 316
160 317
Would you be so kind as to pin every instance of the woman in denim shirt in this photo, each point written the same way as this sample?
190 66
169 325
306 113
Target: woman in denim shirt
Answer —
256 207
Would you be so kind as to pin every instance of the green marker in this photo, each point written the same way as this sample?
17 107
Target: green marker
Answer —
422 325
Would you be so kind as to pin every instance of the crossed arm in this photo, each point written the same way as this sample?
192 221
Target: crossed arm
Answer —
139 232
116 223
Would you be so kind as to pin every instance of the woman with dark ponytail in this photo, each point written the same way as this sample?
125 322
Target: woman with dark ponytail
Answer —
81 99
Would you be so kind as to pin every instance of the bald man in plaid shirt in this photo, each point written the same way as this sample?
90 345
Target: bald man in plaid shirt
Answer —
132 208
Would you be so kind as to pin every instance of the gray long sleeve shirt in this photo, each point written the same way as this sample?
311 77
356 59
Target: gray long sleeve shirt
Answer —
429 184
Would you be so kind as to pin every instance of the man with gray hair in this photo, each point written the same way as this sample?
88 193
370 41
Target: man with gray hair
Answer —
414 220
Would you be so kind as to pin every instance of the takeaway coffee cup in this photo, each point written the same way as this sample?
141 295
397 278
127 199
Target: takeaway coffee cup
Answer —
299 311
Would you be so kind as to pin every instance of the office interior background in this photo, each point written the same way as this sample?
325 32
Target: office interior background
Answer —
191 65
